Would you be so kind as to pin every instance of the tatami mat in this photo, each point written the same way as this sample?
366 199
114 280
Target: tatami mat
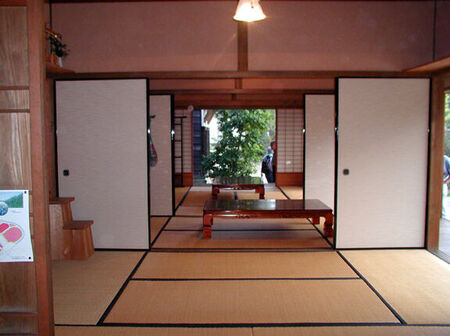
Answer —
196 223
250 301
267 195
179 194
189 211
414 282
133 331
354 331
198 198
156 224
241 240
293 192
160 265
83 289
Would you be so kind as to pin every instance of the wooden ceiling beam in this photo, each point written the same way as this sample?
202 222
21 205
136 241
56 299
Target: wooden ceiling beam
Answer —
238 74
239 104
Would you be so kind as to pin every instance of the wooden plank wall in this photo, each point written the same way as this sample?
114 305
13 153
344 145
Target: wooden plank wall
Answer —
25 308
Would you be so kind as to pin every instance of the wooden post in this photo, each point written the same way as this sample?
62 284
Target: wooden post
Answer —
42 253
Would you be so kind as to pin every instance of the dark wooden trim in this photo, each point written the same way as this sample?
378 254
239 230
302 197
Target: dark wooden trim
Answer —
289 179
42 253
13 2
188 179
238 104
238 91
239 74
434 66
436 161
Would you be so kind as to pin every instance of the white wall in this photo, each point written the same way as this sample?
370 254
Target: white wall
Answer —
319 148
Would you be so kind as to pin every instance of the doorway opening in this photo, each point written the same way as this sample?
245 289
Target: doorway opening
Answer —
444 229
231 142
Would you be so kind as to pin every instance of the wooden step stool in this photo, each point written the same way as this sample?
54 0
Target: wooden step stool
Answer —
69 239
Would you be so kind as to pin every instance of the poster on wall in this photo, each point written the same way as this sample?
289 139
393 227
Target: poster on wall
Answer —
15 236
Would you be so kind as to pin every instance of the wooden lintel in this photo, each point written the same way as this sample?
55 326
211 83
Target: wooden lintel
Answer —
237 104
238 74
243 91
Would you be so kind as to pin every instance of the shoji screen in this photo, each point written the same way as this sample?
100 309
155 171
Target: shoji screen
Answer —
102 142
319 148
161 174
289 145
382 162
187 143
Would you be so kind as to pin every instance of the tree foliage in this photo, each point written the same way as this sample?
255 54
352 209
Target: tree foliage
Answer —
447 124
243 139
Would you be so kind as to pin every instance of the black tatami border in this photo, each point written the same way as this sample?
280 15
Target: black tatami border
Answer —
393 311
101 322
119 293
182 200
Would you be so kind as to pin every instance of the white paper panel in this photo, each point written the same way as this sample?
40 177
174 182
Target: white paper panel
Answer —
383 141
289 141
161 174
319 148
102 140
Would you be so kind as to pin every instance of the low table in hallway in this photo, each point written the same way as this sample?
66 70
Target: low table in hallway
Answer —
237 183
310 208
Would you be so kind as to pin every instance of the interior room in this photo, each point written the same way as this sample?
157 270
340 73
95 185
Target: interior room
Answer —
100 125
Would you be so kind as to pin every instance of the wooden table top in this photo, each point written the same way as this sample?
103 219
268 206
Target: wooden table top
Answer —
236 180
265 205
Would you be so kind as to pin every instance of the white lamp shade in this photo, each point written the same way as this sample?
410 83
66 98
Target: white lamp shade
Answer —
249 11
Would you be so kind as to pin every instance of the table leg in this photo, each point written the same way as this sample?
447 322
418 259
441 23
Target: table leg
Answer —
261 192
207 224
316 220
328 226
215 192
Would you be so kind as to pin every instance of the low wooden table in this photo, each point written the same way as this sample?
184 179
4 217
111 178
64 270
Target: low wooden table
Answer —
238 183
310 208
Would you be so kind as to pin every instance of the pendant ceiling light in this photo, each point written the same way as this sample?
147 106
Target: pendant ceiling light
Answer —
249 11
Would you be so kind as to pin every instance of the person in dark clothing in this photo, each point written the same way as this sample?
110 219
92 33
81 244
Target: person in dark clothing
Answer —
268 166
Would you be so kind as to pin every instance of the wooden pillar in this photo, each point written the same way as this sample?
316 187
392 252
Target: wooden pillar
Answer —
440 82
242 40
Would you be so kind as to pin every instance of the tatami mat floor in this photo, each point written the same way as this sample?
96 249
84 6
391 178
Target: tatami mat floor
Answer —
260 282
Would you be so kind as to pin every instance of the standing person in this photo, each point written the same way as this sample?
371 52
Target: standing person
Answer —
445 210
268 166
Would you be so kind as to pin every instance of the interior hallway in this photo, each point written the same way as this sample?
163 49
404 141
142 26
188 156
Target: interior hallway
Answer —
254 277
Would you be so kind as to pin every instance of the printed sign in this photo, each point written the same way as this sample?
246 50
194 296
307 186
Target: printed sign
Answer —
15 237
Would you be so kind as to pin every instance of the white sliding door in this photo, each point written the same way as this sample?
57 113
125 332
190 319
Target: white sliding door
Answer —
319 148
161 174
382 162
102 144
